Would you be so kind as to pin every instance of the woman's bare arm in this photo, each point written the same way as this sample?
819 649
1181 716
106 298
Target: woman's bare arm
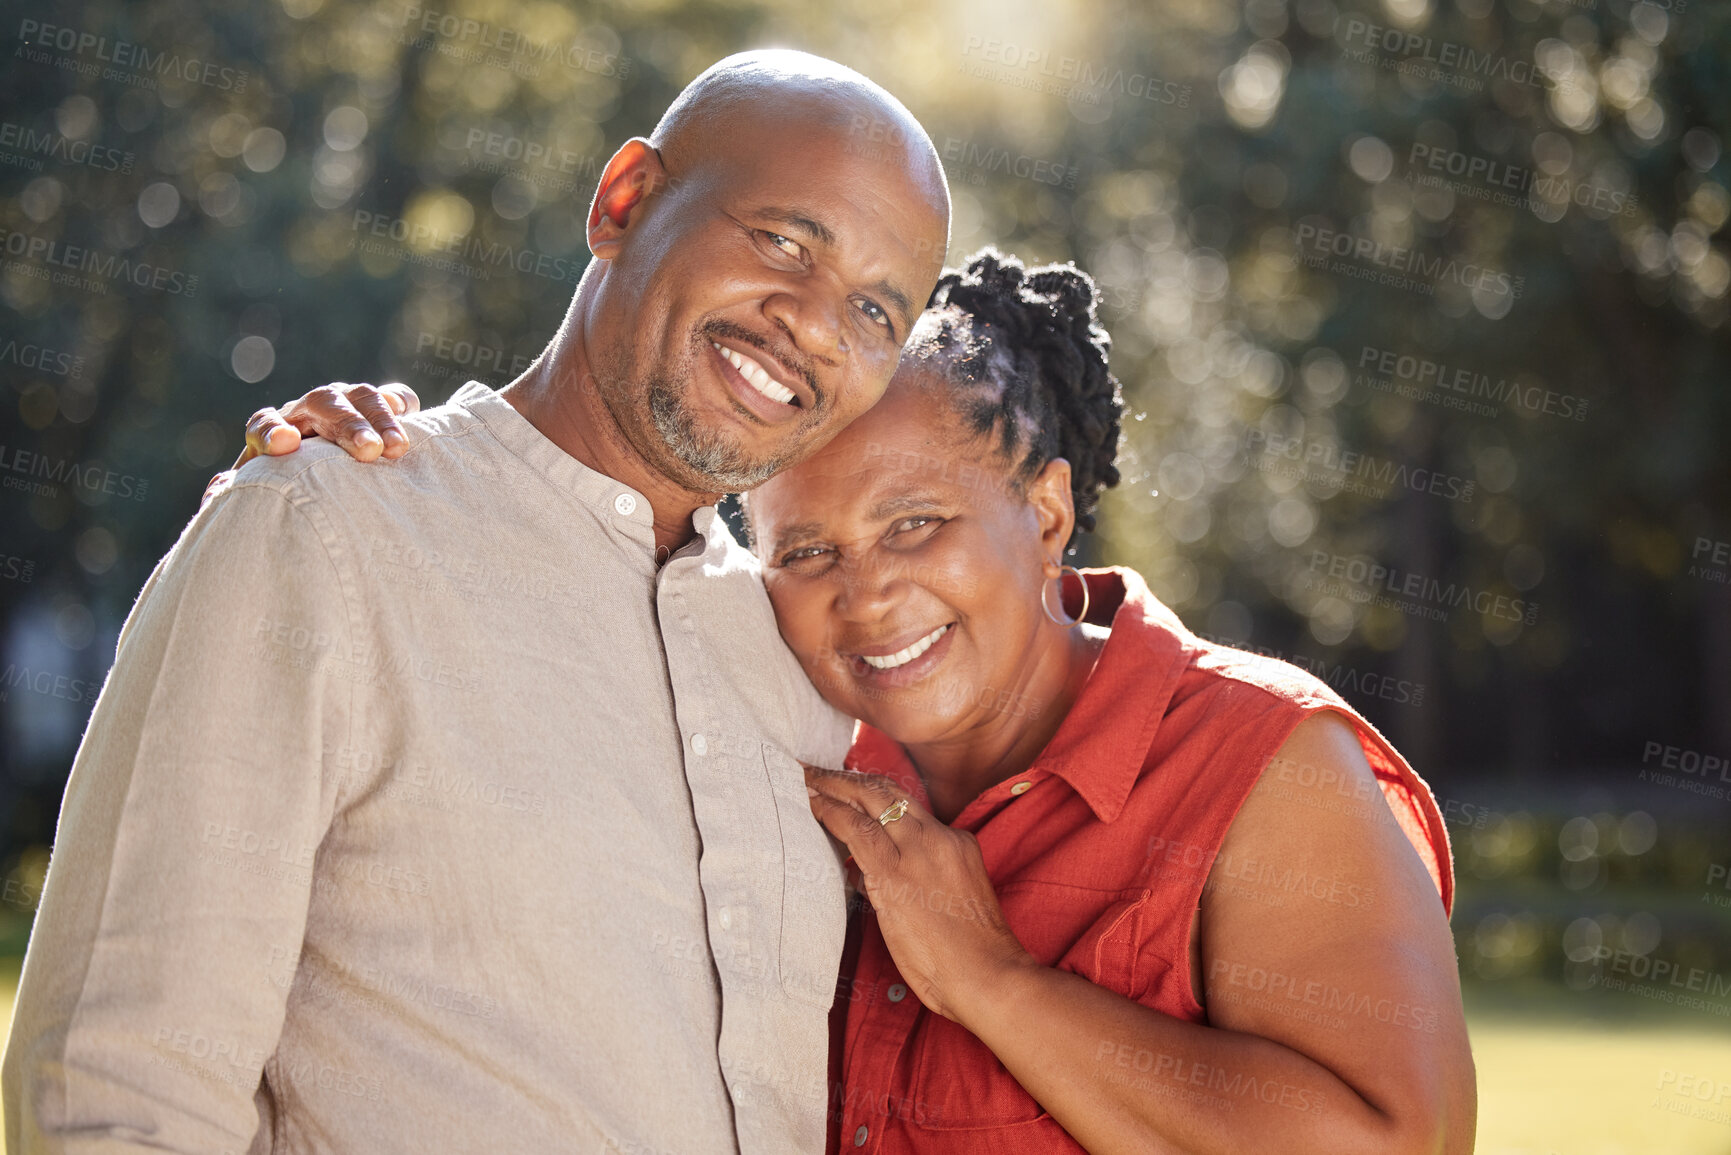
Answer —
1334 1026
1335 1022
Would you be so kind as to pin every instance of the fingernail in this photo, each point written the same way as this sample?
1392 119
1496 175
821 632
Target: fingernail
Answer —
395 436
811 791
368 437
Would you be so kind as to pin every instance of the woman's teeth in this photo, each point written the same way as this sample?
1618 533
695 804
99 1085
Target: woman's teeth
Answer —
755 376
903 656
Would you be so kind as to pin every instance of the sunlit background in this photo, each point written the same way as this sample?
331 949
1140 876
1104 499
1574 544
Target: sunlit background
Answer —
1420 308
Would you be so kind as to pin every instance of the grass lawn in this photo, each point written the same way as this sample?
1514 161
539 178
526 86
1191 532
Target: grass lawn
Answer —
1552 1086
1548 1088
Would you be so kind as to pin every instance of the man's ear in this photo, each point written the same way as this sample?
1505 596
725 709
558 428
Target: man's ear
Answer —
633 175
1055 507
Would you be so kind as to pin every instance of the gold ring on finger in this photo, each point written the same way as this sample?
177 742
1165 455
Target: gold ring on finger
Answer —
893 812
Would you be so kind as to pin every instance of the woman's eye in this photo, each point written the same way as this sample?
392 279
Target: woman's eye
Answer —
804 553
791 248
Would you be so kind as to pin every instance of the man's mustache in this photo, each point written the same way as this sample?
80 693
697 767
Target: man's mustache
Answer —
789 358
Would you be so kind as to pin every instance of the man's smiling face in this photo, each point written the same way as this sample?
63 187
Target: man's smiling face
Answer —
760 303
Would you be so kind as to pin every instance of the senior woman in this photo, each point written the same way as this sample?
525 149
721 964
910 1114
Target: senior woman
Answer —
1128 890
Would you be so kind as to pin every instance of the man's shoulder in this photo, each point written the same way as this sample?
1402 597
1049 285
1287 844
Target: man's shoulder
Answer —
445 441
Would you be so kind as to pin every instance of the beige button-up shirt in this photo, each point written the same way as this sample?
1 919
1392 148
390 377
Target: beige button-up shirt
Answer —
422 812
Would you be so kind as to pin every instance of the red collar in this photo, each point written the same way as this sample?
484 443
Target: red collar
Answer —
1102 744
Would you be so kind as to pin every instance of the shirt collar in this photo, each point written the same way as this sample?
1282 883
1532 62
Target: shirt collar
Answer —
1102 744
594 489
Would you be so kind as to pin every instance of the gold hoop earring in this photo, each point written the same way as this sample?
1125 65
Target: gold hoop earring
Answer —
1054 618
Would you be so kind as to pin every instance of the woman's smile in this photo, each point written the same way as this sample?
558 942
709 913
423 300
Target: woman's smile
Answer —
884 667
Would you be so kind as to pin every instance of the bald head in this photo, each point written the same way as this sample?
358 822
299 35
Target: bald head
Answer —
801 94
761 260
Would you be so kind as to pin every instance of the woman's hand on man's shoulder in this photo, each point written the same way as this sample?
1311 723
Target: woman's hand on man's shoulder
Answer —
362 419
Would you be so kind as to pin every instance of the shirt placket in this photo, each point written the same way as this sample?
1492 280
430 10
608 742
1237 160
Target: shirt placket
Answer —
721 766
871 1081
978 813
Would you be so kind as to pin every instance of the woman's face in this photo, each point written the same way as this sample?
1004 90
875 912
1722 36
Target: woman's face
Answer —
906 573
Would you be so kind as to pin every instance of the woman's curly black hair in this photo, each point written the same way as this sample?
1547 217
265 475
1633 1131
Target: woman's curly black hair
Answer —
1027 358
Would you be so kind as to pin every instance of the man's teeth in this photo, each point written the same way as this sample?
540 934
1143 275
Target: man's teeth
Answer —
755 376
904 656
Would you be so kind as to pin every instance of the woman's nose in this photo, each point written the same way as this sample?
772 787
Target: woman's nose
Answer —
869 587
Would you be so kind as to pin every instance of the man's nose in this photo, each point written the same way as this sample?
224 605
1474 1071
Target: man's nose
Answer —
812 316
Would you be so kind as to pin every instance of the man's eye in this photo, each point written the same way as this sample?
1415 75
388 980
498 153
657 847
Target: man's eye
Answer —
790 247
909 524
874 311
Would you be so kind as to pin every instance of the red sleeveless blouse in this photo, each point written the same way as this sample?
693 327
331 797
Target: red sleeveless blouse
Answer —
1099 854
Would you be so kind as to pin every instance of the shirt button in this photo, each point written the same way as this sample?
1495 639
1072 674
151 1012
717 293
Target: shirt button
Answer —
859 1137
897 992
699 744
1021 787
726 919
625 504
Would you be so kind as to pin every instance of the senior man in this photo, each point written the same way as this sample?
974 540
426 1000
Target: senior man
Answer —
460 808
